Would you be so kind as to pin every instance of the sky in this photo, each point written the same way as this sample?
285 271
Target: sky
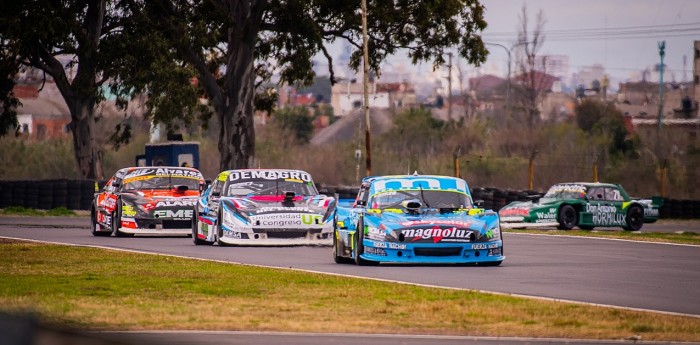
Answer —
621 35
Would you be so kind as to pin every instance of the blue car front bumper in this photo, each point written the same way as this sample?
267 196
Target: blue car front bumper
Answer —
393 252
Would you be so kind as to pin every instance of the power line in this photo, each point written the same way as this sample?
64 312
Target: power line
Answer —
547 32
630 32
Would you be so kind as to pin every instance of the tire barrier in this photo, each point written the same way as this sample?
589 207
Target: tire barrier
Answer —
78 195
47 194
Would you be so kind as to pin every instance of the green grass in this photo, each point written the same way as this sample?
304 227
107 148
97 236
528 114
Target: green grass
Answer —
665 237
112 290
30 212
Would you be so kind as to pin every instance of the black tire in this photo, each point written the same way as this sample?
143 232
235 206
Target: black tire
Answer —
196 240
634 218
586 227
359 245
567 217
219 230
94 225
117 221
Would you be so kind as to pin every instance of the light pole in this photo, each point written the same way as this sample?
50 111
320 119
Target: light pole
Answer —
508 50
508 85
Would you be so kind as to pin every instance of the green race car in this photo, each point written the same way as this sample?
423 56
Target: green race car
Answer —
586 205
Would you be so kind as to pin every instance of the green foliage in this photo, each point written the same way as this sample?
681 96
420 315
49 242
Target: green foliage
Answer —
604 119
296 120
22 211
416 131
8 102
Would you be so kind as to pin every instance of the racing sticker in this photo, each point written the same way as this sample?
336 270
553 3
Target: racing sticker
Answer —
515 211
285 220
270 175
174 214
437 234
606 215
434 222
282 209
171 203
140 173
544 217
577 188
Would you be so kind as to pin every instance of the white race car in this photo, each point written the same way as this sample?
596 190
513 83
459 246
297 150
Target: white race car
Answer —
263 207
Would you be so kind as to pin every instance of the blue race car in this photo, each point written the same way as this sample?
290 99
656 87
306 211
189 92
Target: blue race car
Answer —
416 219
263 207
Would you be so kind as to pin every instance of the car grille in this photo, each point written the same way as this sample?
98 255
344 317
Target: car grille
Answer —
177 224
444 251
287 233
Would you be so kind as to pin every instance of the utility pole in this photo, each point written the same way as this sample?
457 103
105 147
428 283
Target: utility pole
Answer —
365 85
449 88
531 170
662 47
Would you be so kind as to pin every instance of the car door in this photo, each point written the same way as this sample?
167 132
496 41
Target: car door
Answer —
604 207
615 200
594 214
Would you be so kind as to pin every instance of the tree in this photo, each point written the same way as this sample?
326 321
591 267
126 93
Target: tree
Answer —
532 79
296 120
35 34
8 101
236 45
604 120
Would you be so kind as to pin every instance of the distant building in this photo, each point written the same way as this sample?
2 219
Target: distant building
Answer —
588 74
42 114
348 95
556 65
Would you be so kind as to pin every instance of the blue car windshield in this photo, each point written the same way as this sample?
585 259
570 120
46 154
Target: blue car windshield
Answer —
428 198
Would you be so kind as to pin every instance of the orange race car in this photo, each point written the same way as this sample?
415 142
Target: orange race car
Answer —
147 200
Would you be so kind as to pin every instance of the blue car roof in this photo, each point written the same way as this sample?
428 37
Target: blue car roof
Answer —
380 184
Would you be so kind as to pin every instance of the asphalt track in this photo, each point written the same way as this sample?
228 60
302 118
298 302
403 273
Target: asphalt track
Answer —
636 275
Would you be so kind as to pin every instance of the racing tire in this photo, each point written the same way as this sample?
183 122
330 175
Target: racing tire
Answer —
634 218
567 217
95 226
586 227
360 247
220 231
117 221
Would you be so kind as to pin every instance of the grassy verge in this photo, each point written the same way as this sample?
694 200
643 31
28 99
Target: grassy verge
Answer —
665 237
30 212
101 289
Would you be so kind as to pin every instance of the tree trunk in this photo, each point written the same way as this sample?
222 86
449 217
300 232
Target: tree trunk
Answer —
237 133
86 151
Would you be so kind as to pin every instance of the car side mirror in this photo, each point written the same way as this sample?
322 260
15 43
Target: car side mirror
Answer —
479 203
